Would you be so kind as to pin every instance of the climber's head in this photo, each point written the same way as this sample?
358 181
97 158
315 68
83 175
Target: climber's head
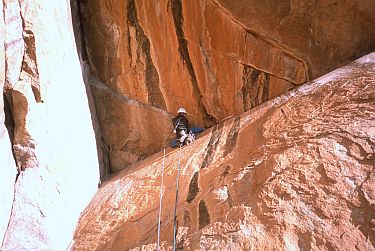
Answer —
181 111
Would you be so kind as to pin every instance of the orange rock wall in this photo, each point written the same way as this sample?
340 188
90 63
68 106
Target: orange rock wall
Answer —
216 58
167 54
172 54
325 34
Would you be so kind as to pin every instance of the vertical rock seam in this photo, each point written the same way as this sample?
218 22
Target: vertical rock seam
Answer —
155 96
212 145
178 19
80 38
231 141
255 89
9 121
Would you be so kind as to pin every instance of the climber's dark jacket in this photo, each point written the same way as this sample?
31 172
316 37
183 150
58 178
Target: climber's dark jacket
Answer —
180 123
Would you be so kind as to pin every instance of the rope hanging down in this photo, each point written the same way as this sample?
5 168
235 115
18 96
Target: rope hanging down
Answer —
175 204
161 198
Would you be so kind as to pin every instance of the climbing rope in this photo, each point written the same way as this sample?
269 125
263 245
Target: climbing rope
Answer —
175 204
161 198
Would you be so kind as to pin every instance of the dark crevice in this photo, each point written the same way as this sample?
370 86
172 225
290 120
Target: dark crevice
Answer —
78 28
204 216
212 145
230 200
193 188
232 137
183 50
324 179
155 96
9 121
129 42
225 172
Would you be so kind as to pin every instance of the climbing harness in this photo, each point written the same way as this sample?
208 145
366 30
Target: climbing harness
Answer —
161 198
175 204
177 124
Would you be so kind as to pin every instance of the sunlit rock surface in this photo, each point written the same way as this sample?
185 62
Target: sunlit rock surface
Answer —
7 164
45 120
296 173
216 58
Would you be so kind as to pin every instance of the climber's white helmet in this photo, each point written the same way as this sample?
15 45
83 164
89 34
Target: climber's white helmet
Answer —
181 110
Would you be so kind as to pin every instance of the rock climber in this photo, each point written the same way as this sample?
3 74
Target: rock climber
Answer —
181 126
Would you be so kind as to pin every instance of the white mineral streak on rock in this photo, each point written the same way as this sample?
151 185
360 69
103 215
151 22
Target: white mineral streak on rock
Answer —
222 193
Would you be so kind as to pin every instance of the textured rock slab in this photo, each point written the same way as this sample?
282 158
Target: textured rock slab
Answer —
293 173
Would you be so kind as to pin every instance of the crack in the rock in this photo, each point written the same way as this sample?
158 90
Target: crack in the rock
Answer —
272 42
232 136
143 216
82 38
176 6
155 95
9 121
97 84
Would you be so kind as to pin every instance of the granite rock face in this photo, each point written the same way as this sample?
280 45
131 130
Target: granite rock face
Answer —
295 173
47 140
216 58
